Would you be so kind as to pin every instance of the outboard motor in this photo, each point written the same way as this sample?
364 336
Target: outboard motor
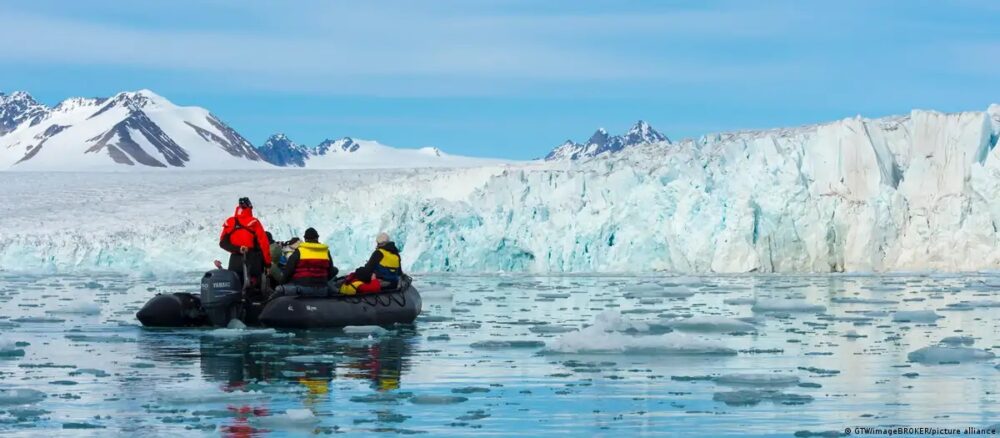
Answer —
221 294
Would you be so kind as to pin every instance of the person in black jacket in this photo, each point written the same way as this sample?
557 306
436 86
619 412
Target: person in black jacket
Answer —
384 262
310 265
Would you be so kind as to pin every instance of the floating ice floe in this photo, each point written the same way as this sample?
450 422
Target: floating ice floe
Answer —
973 304
235 333
470 390
915 316
382 397
436 295
942 354
656 291
92 371
37 319
786 305
958 340
9 349
498 345
753 397
291 418
710 324
855 300
237 328
110 339
552 295
437 399
369 329
21 396
547 328
765 380
606 337
739 301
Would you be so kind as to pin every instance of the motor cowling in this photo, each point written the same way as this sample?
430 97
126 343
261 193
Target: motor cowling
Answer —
221 296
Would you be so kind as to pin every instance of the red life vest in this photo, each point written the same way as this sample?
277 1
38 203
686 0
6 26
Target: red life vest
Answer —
314 262
241 228
353 286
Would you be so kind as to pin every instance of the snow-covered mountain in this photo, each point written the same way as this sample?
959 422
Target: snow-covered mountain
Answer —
142 130
601 143
349 153
280 150
128 130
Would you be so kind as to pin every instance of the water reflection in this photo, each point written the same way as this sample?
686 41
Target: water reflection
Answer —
310 358
580 356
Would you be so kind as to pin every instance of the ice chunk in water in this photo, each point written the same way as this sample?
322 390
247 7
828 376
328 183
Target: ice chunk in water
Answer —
553 295
27 413
369 329
786 305
91 371
237 329
614 321
496 345
382 397
756 380
112 339
605 337
972 305
37 319
437 399
958 340
656 291
709 324
753 397
9 397
915 316
233 333
939 354
291 418
550 329
853 334
10 348
437 295
855 300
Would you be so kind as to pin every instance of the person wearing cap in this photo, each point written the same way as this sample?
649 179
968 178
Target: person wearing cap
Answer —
384 262
274 270
310 265
243 236
382 272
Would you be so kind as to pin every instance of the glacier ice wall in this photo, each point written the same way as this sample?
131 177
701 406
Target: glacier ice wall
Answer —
914 192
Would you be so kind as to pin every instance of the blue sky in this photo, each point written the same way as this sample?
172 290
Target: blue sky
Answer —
510 78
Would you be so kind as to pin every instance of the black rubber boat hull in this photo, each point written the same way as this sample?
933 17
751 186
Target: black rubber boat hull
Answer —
172 310
384 308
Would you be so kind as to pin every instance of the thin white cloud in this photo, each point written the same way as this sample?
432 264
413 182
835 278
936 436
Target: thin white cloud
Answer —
406 50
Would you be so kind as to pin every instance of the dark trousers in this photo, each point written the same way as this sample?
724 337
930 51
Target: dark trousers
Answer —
255 267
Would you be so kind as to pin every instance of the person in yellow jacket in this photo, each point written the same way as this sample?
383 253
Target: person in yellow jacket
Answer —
382 272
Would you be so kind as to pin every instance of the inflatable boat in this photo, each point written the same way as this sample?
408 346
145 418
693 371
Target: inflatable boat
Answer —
222 299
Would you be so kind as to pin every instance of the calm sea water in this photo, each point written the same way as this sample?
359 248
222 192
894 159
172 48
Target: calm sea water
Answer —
507 355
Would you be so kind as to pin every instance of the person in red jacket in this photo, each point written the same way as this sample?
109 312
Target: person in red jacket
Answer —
244 238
